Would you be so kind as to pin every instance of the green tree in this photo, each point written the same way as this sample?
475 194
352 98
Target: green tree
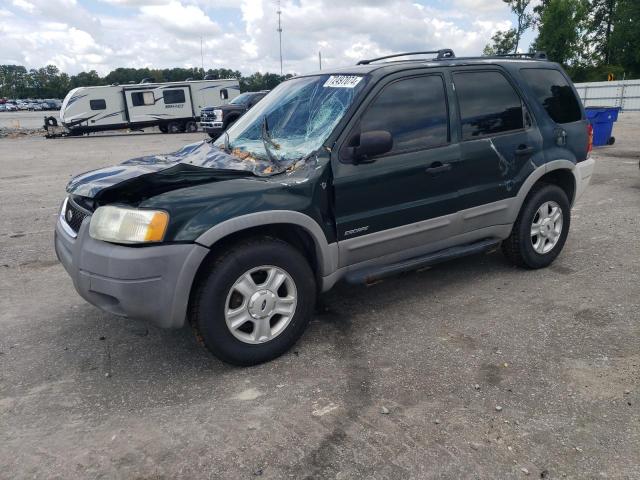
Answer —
561 29
625 37
503 42
601 21
524 18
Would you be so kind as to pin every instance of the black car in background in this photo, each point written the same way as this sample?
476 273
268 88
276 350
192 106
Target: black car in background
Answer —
215 120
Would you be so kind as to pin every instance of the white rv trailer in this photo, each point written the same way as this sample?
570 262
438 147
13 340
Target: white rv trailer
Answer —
172 106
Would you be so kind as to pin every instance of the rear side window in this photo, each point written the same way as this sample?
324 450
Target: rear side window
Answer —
414 111
173 96
554 93
488 104
98 104
142 98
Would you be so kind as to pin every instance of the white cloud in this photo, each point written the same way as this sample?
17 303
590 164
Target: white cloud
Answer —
166 33
180 19
24 5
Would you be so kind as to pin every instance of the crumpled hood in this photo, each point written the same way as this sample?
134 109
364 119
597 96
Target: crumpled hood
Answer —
196 163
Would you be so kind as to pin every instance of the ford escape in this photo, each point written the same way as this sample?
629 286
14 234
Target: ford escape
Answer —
352 174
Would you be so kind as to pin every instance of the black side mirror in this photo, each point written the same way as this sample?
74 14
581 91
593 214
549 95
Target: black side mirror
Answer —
366 145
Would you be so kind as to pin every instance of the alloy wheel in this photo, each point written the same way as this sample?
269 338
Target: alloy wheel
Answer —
261 304
546 227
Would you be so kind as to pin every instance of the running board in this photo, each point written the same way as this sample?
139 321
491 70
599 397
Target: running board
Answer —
372 274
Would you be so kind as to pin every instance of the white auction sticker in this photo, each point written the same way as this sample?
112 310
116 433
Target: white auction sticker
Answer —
342 81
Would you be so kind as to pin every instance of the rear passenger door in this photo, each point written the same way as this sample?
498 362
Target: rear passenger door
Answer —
405 198
500 145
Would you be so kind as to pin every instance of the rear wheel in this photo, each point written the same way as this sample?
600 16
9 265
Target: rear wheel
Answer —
191 127
163 128
541 229
174 127
254 301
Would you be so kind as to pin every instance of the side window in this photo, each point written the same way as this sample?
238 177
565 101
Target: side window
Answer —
98 104
173 96
488 104
554 93
413 110
142 98
224 94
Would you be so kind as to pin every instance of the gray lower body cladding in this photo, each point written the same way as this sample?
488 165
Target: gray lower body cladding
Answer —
150 283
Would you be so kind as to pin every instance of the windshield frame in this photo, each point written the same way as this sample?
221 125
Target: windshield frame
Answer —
255 117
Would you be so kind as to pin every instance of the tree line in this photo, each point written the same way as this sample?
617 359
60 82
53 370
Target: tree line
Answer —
49 82
590 38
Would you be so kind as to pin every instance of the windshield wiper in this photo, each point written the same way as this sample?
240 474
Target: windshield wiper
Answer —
267 140
227 145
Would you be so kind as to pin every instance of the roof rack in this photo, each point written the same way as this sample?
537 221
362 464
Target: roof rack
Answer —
441 54
536 55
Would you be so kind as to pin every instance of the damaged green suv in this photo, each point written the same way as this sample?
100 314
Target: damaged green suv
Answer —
354 174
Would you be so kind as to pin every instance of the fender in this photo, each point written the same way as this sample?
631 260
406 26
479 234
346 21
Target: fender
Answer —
537 174
327 253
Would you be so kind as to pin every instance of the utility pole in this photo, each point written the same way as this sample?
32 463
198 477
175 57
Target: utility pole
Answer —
320 58
280 35
201 57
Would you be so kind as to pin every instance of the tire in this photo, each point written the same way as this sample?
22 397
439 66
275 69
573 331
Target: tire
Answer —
163 128
174 127
191 127
527 250
611 140
248 267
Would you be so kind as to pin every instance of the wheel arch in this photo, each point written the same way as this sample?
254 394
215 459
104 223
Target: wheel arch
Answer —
558 172
296 228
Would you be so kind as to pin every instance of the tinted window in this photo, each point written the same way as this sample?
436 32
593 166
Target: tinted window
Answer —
173 96
414 111
488 104
553 91
98 104
142 98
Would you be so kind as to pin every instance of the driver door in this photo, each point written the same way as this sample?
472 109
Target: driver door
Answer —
405 200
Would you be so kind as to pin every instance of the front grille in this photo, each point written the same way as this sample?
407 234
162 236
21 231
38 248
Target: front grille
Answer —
74 215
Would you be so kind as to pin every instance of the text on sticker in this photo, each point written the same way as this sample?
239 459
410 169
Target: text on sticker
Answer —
342 81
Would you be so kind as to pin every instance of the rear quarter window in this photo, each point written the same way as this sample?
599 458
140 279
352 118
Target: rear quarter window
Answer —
488 104
553 91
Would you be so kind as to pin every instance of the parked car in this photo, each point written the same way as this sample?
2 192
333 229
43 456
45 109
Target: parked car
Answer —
215 120
3 108
10 107
351 174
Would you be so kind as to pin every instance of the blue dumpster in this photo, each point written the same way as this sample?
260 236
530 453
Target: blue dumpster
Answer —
601 119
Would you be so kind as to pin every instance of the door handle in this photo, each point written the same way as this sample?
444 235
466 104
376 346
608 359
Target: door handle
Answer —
437 167
524 150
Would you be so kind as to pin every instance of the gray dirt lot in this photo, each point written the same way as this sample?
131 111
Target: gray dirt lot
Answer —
556 348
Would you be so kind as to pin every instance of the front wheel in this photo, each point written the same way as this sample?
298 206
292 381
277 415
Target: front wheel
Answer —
541 228
254 301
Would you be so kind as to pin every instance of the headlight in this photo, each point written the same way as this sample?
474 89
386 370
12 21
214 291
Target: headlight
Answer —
217 113
128 225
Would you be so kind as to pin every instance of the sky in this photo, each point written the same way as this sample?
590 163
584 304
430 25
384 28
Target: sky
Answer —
101 35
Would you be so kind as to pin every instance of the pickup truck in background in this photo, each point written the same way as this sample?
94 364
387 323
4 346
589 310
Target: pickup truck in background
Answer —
215 120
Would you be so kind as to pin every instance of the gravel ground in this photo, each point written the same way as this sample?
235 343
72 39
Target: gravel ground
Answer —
471 369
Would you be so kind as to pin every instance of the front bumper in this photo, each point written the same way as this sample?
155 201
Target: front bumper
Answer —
583 173
212 127
150 283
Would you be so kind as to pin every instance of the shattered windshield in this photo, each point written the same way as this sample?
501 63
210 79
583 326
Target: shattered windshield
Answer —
291 122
